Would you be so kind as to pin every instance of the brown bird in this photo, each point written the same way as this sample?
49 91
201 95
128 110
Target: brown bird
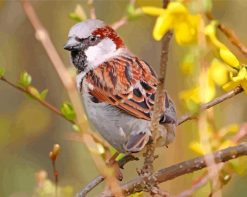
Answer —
118 88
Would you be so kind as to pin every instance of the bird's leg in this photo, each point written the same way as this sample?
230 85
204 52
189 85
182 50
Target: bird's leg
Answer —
117 165
114 164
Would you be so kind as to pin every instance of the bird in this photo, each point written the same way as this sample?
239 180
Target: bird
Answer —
117 88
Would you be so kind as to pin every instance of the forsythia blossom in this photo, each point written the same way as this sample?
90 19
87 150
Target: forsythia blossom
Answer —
239 78
176 17
238 73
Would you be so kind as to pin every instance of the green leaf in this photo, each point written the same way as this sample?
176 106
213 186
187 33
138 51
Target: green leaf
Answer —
43 94
76 127
132 12
2 71
68 111
74 17
79 14
207 4
120 156
25 79
34 92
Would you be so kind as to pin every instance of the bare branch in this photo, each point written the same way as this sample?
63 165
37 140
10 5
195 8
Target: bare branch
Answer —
122 21
149 156
92 9
90 186
100 179
138 184
212 103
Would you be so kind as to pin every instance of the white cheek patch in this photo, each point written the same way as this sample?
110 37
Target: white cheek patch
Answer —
101 52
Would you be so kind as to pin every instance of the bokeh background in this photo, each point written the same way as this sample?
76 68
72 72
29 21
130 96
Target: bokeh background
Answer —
28 130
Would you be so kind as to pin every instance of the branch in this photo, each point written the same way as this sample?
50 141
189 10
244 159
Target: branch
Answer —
92 9
99 179
149 157
123 20
52 108
42 102
231 35
212 103
138 184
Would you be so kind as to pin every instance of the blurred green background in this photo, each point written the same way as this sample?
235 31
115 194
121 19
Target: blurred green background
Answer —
28 131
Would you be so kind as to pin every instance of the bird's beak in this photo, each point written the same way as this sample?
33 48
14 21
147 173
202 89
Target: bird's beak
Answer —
72 44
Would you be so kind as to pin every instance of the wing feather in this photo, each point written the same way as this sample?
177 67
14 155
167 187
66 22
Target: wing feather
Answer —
125 82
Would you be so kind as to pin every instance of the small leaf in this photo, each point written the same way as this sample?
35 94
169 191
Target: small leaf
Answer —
132 12
2 71
25 79
34 92
207 5
68 111
43 94
79 14
76 127
120 156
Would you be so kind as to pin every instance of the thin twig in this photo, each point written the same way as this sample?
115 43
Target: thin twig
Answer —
99 179
212 103
149 156
231 35
186 167
42 102
122 21
90 186
52 108
92 9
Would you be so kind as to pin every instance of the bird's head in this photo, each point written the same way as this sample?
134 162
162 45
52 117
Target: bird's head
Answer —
91 43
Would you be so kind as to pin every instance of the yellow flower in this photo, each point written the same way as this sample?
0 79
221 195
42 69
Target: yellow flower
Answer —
228 57
225 54
197 148
176 17
193 97
218 72
237 79
238 75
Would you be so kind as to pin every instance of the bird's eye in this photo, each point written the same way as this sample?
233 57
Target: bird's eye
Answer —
92 38
79 39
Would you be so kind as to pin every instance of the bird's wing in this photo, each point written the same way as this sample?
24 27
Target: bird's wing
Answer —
125 82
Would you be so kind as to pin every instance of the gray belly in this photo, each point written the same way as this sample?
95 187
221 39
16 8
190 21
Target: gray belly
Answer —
113 124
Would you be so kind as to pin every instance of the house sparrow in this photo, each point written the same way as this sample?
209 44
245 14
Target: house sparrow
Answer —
118 88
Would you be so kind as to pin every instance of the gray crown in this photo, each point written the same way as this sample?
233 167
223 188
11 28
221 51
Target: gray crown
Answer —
84 29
